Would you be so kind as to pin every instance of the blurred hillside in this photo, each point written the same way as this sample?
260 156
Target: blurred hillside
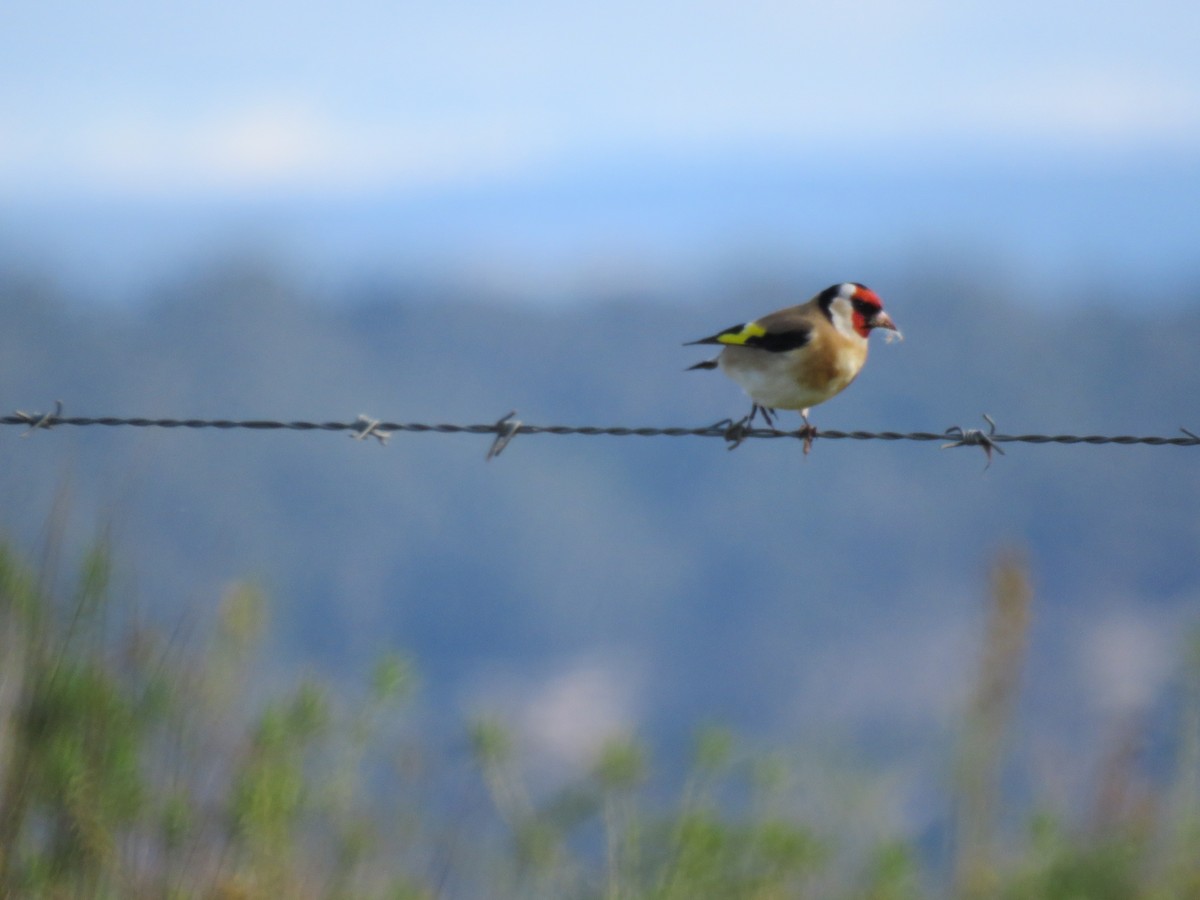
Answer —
583 586
1058 226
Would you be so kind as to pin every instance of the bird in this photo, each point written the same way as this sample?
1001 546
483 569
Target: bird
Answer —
798 357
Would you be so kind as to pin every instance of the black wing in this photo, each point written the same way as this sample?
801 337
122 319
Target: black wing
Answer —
752 334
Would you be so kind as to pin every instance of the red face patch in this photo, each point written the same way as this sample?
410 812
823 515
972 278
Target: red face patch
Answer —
859 321
866 303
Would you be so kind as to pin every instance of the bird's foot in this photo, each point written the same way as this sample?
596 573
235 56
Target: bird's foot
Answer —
808 432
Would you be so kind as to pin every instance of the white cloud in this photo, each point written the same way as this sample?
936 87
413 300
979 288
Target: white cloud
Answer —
1092 105
261 146
269 144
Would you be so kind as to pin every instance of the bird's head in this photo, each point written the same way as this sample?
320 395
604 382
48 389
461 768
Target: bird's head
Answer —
854 307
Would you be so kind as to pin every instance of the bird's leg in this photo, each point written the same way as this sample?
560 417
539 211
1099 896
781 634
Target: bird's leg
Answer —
768 415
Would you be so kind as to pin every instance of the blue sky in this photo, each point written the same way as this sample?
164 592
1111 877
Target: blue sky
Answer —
173 99
530 146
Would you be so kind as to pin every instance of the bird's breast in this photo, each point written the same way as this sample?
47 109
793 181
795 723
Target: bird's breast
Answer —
796 379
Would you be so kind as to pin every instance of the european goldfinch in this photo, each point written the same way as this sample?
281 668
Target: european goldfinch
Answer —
798 357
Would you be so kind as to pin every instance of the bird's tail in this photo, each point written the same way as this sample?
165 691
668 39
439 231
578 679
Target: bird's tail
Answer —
707 364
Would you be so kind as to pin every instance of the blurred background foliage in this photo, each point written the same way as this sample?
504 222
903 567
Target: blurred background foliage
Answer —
141 763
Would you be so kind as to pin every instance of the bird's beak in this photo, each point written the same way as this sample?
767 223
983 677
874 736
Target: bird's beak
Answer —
883 320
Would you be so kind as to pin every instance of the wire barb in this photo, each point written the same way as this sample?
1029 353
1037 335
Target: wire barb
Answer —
365 427
734 432
506 429
40 420
975 437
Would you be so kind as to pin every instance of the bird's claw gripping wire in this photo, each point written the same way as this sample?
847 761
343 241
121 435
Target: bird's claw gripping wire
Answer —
975 437
736 432
506 429
808 433
40 420
365 427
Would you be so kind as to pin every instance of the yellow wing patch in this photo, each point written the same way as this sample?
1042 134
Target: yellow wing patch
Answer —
746 332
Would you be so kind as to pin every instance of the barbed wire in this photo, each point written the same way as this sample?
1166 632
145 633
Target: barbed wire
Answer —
510 427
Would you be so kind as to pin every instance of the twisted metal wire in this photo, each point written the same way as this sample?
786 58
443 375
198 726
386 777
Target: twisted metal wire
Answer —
509 427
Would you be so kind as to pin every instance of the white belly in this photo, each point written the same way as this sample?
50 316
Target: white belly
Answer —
771 380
